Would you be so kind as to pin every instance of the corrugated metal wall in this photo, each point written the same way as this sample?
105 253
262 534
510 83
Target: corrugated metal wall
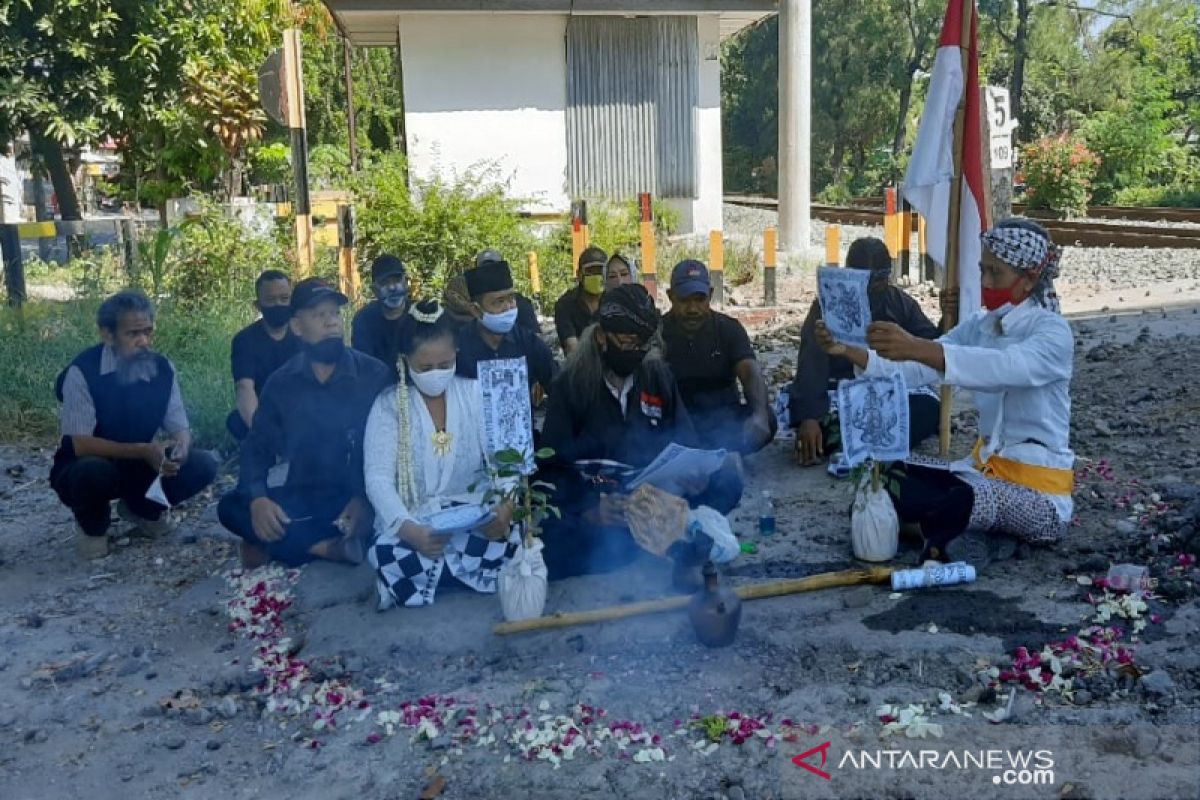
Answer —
632 92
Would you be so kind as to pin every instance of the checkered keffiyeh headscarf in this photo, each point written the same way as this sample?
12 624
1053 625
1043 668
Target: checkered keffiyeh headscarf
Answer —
1028 251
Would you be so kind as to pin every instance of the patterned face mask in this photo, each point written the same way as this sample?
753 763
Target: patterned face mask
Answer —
1028 252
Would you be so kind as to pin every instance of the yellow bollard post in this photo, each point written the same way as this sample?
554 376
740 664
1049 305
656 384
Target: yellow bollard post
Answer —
535 277
833 245
770 255
716 265
649 248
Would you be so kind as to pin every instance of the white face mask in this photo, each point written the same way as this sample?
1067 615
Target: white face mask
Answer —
434 382
500 323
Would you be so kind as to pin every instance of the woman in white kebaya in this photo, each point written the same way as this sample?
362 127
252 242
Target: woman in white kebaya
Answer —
425 452
1016 356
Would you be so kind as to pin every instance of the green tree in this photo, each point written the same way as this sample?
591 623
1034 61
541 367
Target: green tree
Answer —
171 81
378 99
57 80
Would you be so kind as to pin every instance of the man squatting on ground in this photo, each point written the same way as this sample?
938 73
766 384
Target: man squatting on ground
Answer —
311 416
818 373
615 399
1016 356
710 354
116 397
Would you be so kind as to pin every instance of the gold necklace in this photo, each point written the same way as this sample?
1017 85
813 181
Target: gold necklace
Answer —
441 442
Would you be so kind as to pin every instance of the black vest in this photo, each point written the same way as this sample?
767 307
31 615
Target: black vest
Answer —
126 414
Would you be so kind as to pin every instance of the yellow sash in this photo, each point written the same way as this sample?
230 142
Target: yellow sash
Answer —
1049 480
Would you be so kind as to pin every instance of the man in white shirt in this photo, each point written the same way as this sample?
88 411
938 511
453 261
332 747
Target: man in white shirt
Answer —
1016 356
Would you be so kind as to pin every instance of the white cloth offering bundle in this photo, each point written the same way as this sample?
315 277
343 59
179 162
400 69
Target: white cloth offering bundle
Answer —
521 583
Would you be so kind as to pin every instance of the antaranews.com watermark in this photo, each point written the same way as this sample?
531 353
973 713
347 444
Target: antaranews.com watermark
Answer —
1132 763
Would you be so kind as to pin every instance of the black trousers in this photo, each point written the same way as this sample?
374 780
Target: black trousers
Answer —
312 514
935 499
89 484
924 416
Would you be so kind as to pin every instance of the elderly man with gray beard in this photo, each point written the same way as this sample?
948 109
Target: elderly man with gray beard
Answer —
116 398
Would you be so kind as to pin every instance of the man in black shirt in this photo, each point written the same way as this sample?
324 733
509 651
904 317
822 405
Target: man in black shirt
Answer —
710 354
616 402
818 373
261 348
494 333
376 327
311 417
576 309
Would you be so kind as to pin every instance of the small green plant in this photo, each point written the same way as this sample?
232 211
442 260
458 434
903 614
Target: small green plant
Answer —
712 726
885 476
1058 173
530 499
152 258
215 259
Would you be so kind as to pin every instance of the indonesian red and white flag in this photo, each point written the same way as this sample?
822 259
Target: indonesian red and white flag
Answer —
930 176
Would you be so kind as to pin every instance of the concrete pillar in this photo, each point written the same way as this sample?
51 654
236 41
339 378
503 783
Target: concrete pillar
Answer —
795 125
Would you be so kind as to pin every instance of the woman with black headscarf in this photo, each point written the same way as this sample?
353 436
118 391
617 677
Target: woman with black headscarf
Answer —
615 401
1016 357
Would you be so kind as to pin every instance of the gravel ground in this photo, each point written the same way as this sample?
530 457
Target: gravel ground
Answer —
121 678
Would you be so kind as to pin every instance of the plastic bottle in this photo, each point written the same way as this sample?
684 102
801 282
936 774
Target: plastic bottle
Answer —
766 514
933 575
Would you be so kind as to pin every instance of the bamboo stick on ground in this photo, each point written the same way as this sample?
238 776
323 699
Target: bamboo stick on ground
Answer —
754 591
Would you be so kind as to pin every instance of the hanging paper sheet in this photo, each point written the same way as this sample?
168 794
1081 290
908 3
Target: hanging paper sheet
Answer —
873 413
507 415
844 304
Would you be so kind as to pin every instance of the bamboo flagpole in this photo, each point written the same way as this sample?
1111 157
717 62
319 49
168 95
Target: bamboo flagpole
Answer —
949 294
967 140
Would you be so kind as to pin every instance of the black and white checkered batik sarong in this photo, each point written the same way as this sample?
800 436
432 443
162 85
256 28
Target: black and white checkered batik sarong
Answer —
408 578
1008 508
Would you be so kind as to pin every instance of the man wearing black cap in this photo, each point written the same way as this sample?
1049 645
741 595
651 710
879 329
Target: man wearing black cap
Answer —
617 402
457 299
494 333
710 354
576 309
310 417
376 328
260 348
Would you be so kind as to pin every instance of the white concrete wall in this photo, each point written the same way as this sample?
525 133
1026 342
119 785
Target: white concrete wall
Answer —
484 89
11 187
703 214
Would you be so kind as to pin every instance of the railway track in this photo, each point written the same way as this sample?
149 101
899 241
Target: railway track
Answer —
1133 213
1076 233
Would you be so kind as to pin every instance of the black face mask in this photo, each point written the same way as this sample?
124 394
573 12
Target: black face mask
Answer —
623 363
326 351
276 316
